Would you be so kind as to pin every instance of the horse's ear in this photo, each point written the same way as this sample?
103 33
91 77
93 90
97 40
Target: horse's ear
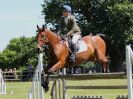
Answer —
43 27
38 27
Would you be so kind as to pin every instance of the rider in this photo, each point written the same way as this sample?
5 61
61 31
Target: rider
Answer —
69 26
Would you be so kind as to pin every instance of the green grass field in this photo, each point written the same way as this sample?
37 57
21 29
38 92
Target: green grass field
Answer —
19 90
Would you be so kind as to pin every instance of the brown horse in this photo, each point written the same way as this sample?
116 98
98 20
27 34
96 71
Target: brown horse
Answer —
59 52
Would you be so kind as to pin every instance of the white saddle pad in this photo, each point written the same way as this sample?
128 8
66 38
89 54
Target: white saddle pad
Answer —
81 46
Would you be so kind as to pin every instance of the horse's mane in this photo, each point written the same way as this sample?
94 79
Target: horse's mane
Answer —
49 31
55 37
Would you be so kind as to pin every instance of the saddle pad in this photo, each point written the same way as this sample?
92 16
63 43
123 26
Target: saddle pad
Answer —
81 46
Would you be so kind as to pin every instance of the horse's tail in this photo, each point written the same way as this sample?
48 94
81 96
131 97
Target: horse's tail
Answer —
105 38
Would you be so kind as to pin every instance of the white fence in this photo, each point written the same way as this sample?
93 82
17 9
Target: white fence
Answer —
2 84
36 91
129 63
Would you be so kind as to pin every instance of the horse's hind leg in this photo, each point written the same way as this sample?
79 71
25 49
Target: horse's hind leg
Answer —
105 66
104 61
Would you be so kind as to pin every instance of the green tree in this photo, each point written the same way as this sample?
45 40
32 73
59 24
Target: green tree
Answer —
20 52
111 17
121 32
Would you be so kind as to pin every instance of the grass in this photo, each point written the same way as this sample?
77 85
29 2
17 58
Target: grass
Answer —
16 90
19 90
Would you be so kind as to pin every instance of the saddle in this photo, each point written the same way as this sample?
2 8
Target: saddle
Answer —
80 45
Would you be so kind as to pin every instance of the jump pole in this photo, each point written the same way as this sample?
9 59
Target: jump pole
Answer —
129 60
40 62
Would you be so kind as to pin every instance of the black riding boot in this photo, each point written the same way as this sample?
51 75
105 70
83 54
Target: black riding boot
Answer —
72 56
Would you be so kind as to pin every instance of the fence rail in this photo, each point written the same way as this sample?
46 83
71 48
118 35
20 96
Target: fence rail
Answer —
97 87
87 97
117 75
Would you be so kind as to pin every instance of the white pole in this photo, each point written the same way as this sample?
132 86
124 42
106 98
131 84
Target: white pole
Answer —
2 84
64 71
129 73
40 71
131 55
30 95
4 88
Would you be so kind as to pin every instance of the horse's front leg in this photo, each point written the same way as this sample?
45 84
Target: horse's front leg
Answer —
57 66
45 81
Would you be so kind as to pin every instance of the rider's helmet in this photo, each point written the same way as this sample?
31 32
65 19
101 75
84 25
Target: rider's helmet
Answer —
67 8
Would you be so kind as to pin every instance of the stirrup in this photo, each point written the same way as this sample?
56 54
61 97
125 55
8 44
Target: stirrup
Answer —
72 57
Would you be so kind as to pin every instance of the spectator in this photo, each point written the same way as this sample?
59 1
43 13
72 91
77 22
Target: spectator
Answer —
6 70
6 73
30 72
10 71
15 73
10 74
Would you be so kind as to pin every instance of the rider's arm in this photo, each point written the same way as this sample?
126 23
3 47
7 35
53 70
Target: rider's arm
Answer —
60 27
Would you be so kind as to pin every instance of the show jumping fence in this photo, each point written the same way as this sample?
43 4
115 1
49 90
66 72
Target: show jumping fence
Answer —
2 84
59 82
36 91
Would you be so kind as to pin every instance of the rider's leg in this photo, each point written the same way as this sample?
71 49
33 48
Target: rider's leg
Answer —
74 40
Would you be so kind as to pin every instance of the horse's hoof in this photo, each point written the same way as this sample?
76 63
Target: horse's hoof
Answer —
46 89
50 70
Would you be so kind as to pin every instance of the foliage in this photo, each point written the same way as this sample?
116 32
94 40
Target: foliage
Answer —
122 24
120 32
20 52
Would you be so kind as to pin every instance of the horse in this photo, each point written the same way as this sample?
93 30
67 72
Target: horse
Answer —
59 52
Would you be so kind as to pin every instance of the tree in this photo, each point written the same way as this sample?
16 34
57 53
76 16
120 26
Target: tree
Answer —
122 32
20 52
111 17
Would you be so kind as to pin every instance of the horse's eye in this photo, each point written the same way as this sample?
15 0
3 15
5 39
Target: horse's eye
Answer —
42 36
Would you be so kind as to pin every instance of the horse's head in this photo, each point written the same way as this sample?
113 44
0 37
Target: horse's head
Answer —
46 37
42 37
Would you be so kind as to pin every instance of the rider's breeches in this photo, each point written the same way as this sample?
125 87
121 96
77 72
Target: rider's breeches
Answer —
75 38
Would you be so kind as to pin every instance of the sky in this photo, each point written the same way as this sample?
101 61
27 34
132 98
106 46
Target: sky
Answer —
19 18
